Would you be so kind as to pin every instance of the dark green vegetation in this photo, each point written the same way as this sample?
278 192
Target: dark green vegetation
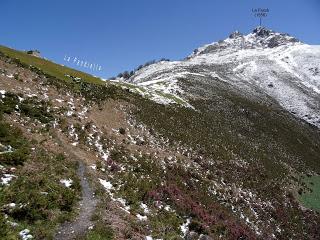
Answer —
229 128
10 136
229 125
40 201
31 107
99 232
140 179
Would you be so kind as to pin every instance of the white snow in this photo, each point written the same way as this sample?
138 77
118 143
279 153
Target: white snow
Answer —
31 95
162 88
13 224
103 152
289 74
123 202
168 208
185 227
145 208
69 113
150 238
6 179
7 149
24 234
11 205
72 133
3 93
107 185
66 182
141 218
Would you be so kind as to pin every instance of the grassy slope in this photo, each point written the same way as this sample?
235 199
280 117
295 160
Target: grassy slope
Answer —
266 138
32 182
49 67
229 128
36 190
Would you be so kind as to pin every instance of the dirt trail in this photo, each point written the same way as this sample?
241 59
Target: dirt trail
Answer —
79 226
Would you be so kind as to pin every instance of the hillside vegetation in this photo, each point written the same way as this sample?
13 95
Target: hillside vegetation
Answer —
223 166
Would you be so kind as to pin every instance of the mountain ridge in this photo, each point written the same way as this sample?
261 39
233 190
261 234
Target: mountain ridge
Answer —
265 63
260 37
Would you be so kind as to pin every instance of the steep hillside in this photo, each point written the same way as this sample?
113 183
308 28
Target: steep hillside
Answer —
203 148
263 65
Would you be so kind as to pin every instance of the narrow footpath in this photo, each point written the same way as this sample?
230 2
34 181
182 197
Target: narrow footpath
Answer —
80 225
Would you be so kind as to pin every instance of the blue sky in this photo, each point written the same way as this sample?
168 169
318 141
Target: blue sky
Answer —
121 34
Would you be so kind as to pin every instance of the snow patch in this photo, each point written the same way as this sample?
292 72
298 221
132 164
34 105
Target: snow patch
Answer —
141 218
145 208
24 234
185 227
107 185
3 93
66 182
6 179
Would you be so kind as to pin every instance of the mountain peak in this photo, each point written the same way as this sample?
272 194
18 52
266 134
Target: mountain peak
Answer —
262 31
273 39
235 34
260 37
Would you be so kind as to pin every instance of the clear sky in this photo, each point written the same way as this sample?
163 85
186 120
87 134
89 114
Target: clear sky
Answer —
121 34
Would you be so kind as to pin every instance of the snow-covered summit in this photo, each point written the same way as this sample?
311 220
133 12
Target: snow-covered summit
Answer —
261 65
260 37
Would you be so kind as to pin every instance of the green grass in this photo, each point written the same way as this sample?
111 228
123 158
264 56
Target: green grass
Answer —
49 67
311 198
42 202
31 107
13 137
99 232
92 88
